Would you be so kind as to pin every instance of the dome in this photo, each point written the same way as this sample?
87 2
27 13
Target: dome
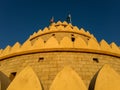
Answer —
61 36
61 57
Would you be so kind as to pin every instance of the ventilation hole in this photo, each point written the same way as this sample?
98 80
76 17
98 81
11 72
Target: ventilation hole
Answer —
96 60
53 34
40 59
12 75
72 39
72 34
44 41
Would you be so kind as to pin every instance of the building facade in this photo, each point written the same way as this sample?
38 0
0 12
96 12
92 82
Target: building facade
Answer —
60 57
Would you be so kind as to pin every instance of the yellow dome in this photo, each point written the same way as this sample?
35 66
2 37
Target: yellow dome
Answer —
61 27
61 36
61 57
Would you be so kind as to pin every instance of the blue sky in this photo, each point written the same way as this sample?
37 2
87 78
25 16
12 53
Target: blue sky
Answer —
21 18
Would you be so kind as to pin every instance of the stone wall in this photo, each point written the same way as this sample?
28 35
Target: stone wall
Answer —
47 64
60 35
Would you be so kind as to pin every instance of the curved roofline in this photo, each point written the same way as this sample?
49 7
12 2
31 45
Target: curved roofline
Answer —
33 37
60 50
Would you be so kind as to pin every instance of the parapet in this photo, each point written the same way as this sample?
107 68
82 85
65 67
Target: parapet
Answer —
60 27
65 44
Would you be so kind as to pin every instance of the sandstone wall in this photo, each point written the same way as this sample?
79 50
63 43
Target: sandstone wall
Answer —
60 35
47 64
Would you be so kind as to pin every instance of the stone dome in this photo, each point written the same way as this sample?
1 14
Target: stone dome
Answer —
61 36
60 57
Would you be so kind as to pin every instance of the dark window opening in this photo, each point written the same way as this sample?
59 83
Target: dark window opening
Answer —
40 59
72 34
12 75
73 39
53 34
96 60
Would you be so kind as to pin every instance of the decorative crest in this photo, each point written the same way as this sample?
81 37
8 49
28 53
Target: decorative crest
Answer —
52 20
68 19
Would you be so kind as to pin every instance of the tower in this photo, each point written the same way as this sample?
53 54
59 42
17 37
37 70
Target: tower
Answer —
56 47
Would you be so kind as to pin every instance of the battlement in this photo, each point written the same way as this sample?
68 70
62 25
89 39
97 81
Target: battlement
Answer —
61 27
66 44
60 57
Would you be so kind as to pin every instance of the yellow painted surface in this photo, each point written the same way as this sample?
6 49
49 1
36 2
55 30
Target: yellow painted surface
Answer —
25 80
59 23
82 30
52 43
60 28
52 28
88 33
107 79
1 51
39 32
104 45
16 47
39 44
34 34
34 41
65 23
92 44
80 43
45 29
26 46
51 49
68 28
6 51
114 47
53 23
66 43
67 79
75 28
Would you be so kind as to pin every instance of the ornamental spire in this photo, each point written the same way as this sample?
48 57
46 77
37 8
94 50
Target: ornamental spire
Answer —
51 20
68 19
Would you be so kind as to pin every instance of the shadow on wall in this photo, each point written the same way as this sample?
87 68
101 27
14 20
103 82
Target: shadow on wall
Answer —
67 79
4 81
93 81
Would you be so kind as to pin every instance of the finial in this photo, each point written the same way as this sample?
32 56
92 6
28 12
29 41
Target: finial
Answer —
52 20
68 19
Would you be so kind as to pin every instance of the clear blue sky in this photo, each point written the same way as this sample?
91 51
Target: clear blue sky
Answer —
20 18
